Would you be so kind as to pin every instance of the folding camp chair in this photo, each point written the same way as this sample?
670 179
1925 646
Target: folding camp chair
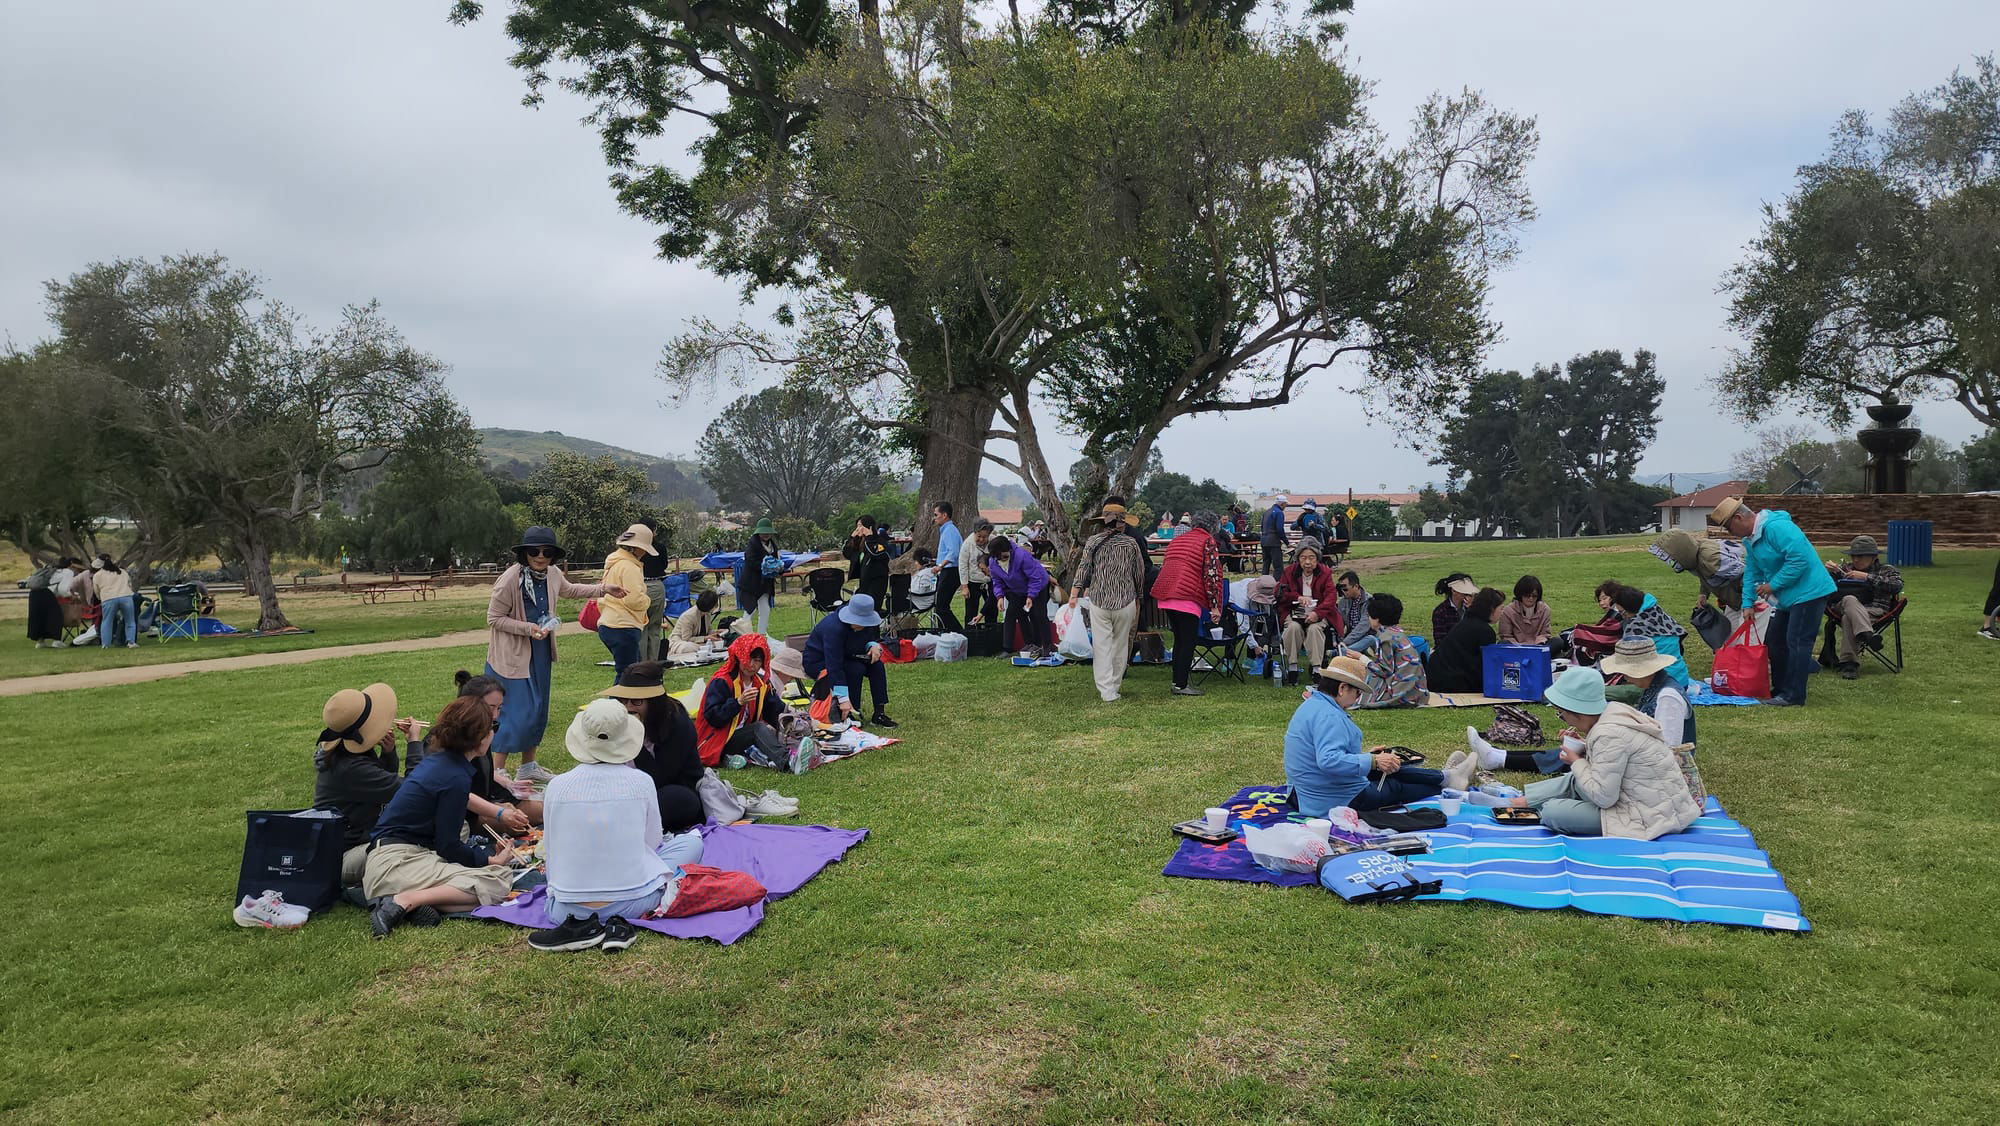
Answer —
1890 627
823 591
1262 615
179 612
1227 654
80 619
902 605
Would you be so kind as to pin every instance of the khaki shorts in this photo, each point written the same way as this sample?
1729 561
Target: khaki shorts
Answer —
396 868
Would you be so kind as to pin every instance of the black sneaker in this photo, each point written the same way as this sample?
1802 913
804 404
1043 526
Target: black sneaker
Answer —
425 916
572 935
386 915
618 934
1187 691
1871 639
881 719
1850 671
1291 678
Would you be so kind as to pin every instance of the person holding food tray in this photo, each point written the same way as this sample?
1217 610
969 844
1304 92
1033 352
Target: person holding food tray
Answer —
1625 782
1326 766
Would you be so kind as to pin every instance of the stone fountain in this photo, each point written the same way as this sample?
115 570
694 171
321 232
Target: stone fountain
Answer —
1889 443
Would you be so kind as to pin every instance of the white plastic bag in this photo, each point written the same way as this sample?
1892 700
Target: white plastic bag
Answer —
1072 637
926 645
951 647
1284 848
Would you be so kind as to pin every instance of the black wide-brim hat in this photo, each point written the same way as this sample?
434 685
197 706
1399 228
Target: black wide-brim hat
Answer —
538 536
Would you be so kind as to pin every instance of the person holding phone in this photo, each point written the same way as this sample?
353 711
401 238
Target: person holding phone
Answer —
521 645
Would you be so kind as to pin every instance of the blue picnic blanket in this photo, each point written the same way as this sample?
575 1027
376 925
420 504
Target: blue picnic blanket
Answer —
727 560
1711 873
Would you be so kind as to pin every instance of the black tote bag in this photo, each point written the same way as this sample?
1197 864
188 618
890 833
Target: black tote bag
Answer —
297 857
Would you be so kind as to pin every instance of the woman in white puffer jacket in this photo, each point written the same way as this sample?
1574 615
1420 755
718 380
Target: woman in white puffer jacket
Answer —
1626 782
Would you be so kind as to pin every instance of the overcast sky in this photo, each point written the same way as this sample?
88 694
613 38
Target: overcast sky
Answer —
367 149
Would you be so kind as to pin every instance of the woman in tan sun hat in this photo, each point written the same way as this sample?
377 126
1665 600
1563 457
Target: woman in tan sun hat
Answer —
355 769
1328 769
621 619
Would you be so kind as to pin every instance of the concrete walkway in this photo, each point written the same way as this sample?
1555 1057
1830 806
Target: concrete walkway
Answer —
139 674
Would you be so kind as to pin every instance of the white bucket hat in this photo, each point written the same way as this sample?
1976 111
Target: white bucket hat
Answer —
604 732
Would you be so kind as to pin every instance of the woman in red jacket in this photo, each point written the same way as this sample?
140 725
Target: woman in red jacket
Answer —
1189 589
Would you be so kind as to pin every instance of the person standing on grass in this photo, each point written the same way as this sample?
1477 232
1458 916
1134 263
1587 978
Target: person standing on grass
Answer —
1990 628
621 620
521 645
1781 570
1113 573
981 604
867 555
420 863
1189 588
654 568
114 595
1271 536
757 593
950 541
1327 768
1018 574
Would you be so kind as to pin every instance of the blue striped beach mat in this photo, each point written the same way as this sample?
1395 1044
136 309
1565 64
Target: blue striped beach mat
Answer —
1711 873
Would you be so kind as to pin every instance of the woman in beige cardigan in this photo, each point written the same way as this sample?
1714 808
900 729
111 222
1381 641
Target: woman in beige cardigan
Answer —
521 645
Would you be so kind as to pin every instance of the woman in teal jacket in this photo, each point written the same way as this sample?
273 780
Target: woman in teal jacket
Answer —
1781 568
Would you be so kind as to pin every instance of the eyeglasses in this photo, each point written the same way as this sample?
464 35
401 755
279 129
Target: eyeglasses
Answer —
541 553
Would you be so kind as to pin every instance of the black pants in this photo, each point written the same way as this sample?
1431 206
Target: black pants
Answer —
1186 626
746 737
947 589
1032 614
679 803
1274 558
1993 596
980 600
853 674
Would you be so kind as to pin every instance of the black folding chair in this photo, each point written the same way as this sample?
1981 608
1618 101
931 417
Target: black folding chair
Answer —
179 612
823 591
901 603
1227 654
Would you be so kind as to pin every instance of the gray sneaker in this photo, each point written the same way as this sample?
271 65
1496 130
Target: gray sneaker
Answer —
533 772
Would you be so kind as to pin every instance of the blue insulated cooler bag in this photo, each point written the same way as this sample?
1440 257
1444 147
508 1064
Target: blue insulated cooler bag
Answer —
1372 876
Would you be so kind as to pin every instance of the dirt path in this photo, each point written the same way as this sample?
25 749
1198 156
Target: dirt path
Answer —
139 674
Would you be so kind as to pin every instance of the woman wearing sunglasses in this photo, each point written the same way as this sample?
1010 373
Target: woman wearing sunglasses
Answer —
521 645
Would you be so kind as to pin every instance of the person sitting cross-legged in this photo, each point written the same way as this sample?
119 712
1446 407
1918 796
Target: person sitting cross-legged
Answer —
1324 761
1396 675
1867 590
608 860
845 649
1625 782
420 863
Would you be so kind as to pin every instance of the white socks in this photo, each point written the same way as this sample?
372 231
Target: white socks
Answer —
1490 757
1458 770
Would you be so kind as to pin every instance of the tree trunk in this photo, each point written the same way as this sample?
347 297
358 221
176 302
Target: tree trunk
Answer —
956 423
256 556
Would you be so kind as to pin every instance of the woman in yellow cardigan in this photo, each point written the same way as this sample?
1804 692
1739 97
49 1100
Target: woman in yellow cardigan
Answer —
621 620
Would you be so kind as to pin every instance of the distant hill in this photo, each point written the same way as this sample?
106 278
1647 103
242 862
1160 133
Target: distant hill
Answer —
1009 495
517 453
1683 483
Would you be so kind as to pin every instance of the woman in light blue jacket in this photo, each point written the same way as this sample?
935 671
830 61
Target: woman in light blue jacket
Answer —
1780 568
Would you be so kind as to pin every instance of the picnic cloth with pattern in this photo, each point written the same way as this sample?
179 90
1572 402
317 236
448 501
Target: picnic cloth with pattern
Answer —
1711 873
782 857
727 560
1702 696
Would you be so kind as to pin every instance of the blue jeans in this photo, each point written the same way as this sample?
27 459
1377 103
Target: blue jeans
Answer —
624 647
1790 638
679 850
1412 783
117 617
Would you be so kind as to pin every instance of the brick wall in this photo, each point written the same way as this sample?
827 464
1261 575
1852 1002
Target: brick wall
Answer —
1832 520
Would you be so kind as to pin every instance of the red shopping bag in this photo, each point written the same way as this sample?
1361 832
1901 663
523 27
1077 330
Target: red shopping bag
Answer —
1742 669
900 652
588 618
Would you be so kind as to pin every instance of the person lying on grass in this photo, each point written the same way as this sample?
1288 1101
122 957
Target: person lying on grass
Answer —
1326 766
1625 782
1643 668
418 863
608 860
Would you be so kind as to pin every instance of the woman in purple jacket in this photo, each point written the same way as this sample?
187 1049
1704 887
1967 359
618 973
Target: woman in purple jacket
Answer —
1017 574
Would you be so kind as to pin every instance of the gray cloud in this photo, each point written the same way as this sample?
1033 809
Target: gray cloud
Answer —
371 150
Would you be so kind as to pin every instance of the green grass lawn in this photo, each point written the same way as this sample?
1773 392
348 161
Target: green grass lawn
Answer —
1003 947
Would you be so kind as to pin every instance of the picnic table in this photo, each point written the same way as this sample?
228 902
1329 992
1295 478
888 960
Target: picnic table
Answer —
418 590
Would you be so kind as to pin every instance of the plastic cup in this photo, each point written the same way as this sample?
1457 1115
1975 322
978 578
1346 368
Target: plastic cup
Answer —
1319 827
1218 819
1572 744
1450 806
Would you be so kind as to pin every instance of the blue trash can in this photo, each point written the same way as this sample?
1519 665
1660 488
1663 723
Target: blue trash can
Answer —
1515 672
1909 543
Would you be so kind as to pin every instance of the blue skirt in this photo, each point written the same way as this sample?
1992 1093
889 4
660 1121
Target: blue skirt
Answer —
524 718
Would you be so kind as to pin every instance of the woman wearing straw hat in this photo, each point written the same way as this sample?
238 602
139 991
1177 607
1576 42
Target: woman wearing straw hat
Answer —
621 618
355 770
757 594
521 645
418 863
1625 782
1324 761
667 751
608 860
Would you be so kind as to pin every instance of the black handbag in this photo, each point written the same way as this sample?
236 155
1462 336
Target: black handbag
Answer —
1712 625
297 857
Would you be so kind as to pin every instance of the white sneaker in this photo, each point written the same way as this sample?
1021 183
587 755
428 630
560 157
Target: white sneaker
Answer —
86 637
771 804
131 645
533 772
270 910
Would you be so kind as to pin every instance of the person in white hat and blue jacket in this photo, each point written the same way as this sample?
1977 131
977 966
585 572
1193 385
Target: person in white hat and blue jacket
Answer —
845 649
1625 782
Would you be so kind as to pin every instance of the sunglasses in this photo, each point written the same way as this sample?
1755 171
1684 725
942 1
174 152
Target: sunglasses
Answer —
541 553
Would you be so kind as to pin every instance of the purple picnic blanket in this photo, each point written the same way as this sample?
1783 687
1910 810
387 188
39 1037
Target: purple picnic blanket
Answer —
782 857
1252 805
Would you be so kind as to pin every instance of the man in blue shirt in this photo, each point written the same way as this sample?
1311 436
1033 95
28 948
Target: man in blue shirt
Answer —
1781 569
948 545
1272 536
1326 766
